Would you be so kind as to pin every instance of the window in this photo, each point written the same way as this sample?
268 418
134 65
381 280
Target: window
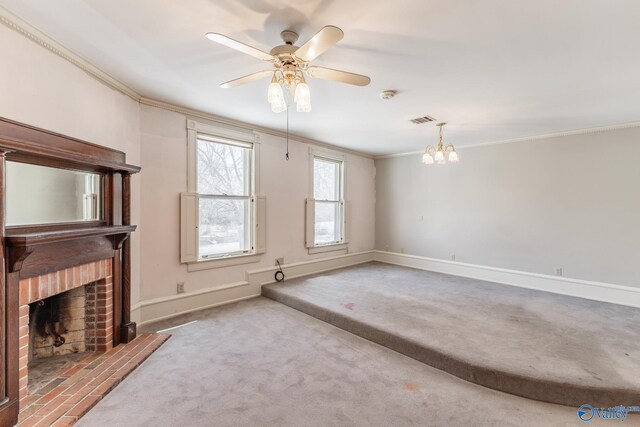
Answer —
224 189
326 207
222 219
327 193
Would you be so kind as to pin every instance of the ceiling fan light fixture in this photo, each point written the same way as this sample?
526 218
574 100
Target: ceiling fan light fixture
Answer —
275 96
291 63
279 106
302 97
274 91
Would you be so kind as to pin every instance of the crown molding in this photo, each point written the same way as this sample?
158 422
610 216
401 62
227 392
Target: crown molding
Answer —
236 123
585 131
22 27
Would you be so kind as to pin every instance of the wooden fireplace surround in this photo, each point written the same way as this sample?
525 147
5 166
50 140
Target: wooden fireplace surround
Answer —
29 251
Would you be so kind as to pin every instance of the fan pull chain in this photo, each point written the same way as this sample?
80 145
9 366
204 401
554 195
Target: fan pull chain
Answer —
286 156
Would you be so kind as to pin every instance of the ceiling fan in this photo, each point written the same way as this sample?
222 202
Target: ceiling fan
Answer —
290 65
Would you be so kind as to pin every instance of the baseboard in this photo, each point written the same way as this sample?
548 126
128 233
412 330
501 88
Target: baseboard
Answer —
605 292
299 269
175 305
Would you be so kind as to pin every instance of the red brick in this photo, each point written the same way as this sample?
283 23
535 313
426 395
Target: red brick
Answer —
24 341
30 421
43 290
53 416
83 406
52 394
24 291
106 386
65 421
34 293
51 406
75 368
77 386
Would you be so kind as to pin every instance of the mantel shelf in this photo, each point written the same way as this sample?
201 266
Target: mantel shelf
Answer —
39 238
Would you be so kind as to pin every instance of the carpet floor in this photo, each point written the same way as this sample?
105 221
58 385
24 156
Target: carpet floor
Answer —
534 344
261 363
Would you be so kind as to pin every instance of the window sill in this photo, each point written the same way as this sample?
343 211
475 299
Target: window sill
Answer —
328 248
207 264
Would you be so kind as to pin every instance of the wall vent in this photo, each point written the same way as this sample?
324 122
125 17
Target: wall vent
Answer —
421 120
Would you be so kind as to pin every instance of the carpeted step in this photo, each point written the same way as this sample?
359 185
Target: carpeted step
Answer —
352 299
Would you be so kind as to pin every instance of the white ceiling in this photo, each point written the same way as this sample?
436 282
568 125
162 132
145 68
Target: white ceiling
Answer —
493 69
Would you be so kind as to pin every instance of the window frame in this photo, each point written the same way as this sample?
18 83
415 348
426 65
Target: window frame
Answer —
340 159
231 136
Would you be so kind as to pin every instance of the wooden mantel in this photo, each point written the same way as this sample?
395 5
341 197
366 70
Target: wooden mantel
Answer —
38 253
28 251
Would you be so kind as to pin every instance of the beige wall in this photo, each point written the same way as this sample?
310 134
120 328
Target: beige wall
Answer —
285 184
570 202
44 90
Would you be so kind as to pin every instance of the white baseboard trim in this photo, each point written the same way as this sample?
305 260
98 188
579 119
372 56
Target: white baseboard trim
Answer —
175 305
605 292
265 276
166 307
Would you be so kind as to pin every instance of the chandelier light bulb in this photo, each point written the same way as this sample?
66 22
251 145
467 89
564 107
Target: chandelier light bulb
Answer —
453 156
439 157
427 159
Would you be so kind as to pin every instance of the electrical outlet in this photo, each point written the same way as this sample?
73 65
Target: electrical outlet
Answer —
280 260
180 288
452 257
559 271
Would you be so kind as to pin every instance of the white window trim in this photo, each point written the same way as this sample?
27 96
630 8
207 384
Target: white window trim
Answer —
337 156
234 135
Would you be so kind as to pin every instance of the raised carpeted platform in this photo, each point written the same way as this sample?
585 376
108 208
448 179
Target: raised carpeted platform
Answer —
533 344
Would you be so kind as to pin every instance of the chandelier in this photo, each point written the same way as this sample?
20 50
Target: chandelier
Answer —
439 155
291 77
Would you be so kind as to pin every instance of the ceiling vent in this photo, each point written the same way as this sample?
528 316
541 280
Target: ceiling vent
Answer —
421 120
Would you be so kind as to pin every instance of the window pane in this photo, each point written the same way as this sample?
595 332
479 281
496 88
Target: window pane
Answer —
327 224
223 169
326 180
224 226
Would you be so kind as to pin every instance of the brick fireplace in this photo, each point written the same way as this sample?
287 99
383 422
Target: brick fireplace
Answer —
88 328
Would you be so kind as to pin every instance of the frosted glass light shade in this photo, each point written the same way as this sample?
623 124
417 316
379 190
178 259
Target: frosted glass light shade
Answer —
302 98
453 157
427 159
279 106
274 92
439 157
275 96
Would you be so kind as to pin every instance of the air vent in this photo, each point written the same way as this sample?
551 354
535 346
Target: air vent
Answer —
421 120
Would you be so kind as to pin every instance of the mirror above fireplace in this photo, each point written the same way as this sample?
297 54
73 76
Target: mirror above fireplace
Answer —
38 194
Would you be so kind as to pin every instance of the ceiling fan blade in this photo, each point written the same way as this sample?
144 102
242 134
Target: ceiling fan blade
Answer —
247 79
241 47
319 43
339 76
